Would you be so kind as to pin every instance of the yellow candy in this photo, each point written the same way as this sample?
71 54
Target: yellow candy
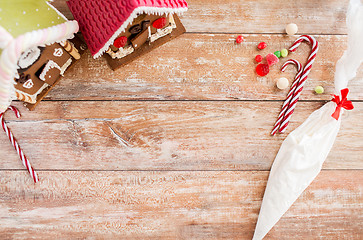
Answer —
284 52
319 89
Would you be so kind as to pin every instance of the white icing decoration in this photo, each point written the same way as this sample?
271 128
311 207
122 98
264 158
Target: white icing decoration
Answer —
161 33
50 64
28 84
65 66
58 52
29 57
133 15
122 52
33 97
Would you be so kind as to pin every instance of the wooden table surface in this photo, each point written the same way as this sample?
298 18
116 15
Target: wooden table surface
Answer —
176 145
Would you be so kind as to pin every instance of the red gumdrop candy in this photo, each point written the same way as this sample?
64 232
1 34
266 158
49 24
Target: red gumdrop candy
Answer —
239 39
120 42
159 23
262 45
258 58
271 59
262 69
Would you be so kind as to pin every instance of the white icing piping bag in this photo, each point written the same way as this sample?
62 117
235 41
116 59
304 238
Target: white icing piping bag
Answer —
304 151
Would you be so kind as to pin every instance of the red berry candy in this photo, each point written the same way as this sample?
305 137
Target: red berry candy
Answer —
120 42
262 45
258 58
271 59
159 23
239 39
262 69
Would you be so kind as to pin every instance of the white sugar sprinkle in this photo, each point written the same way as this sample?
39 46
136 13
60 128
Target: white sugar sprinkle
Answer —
24 12
38 25
16 24
37 9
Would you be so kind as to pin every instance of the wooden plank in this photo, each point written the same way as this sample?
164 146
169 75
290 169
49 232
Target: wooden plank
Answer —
188 135
258 16
209 67
172 205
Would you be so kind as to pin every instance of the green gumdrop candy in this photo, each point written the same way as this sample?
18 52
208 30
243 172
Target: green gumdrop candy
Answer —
22 16
284 52
277 54
319 89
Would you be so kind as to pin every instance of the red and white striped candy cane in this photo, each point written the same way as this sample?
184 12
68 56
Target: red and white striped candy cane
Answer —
304 76
15 144
290 94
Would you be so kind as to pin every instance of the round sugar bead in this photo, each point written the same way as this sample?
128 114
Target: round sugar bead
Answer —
291 29
282 83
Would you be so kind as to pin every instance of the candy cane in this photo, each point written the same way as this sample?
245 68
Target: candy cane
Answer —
304 76
15 144
290 94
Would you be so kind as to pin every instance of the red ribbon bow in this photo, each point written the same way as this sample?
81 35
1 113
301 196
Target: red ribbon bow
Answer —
344 103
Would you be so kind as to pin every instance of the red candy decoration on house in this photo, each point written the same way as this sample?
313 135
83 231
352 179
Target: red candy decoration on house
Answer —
120 42
159 23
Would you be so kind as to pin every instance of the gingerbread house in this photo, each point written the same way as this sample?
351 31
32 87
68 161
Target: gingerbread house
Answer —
37 46
126 29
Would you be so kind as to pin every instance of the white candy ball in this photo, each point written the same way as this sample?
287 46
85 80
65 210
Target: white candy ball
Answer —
282 83
291 29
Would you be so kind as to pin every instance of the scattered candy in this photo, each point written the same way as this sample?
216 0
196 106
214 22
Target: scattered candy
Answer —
284 52
291 29
319 89
271 59
262 69
258 58
277 54
282 83
262 45
239 39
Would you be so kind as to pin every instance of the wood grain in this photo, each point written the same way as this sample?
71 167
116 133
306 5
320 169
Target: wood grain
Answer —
209 67
172 205
258 16
175 115
188 135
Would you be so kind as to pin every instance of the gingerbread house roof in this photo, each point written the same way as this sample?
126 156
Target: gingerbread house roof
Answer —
102 21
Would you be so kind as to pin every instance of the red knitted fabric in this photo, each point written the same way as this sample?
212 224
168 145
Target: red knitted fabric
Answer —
99 20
